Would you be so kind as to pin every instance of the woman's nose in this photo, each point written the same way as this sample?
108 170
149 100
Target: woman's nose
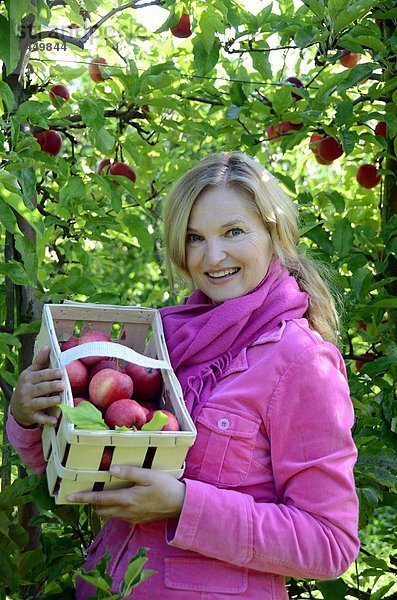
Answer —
215 252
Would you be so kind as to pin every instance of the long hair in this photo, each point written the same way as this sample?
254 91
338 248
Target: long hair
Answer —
279 216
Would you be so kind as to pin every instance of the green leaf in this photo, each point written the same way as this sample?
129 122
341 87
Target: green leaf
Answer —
305 35
237 95
28 254
9 45
85 416
349 140
335 589
282 99
209 24
137 228
104 140
157 422
343 237
381 467
8 573
204 61
7 217
75 284
7 96
92 112
15 271
344 112
31 215
355 75
172 20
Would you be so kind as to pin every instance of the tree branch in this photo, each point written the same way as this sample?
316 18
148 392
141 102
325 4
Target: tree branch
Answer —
6 388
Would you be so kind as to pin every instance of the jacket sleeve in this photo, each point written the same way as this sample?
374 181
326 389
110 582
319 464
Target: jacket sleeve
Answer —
311 530
27 442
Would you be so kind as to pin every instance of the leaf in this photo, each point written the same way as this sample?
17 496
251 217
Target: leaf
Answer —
282 99
381 467
204 61
7 96
85 415
28 253
237 95
157 422
104 140
209 24
7 217
9 45
335 589
344 112
77 284
92 112
349 139
15 271
8 572
343 237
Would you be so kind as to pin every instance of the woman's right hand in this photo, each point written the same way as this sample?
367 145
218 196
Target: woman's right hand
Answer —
38 389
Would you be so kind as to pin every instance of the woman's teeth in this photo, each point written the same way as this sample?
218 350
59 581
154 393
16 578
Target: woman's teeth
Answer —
222 273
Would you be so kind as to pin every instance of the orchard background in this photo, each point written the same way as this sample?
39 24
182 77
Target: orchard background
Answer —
165 102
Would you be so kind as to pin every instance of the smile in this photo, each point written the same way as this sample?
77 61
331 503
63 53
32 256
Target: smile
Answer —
224 273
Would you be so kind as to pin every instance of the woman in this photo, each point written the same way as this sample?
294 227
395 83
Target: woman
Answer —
268 489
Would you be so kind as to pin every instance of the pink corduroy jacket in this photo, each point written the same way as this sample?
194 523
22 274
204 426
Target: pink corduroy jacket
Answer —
269 482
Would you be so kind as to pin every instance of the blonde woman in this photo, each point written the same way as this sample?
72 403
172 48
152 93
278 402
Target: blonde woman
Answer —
268 490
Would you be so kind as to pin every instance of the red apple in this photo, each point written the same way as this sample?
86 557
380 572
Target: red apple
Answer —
50 141
106 459
78 399
368 176
348 59
367 357
321 161
172 424
296 82
120 168
272 133
287 126
70 343
103 165
94 69
125 413
182 29
106 363
109 385
147 381
59 94
329 149
314 140
93 336
78 377
381 128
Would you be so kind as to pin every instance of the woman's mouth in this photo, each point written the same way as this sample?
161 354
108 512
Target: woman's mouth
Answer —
216 275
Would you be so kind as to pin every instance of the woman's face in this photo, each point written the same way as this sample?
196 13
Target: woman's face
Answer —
228 247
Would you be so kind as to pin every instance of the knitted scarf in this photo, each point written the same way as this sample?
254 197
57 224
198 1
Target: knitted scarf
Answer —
202 338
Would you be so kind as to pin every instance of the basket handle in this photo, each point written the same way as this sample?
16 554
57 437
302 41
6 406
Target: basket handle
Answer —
110 350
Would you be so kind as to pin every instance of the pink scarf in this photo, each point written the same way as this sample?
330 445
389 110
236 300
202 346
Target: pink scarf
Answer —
203 338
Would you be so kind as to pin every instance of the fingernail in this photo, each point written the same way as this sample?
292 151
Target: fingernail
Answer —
114 469
71 498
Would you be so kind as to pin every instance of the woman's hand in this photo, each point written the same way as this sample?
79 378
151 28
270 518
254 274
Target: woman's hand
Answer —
153 495
38 388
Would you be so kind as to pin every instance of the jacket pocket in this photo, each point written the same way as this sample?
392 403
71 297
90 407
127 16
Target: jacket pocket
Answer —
204 575
223 451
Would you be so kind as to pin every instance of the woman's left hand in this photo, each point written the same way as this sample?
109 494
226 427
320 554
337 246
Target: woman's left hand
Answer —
152 495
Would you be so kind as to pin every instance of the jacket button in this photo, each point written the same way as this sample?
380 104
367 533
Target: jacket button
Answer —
223 423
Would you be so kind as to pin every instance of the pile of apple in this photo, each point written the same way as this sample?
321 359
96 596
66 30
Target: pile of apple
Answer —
127 396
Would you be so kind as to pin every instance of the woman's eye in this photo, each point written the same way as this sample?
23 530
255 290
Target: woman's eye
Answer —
234 232
193 237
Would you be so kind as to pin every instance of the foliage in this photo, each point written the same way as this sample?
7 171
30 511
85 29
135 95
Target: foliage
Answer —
68 232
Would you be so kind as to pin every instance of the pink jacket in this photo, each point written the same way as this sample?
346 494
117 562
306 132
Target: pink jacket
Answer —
269 482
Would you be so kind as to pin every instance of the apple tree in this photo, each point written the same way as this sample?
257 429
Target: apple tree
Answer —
103 106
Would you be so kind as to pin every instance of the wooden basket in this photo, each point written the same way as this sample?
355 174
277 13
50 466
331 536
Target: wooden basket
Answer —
74 455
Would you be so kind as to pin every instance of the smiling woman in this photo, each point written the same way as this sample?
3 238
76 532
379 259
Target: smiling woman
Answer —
268 489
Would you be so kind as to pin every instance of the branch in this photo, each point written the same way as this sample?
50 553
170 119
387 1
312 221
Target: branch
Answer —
251 49
68 39
6 388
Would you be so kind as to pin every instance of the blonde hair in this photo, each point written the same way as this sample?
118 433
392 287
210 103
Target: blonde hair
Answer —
278 214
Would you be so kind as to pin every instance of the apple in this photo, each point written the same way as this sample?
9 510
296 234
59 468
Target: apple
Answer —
272 133
287 126
182 29
368 176
93 336
321 161
59 94
381 129
348 59
106 459
125 412
367 357
78 399
103 165
50 141
94 69
78 376
70 343
172 424
361 325
314 140
109 385
106 363
120 168
296 82
329 149
147 381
